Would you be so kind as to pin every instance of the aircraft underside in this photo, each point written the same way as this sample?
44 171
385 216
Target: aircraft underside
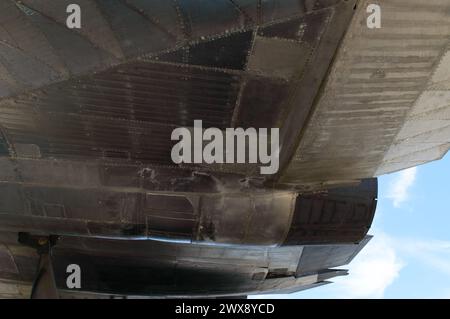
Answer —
87 117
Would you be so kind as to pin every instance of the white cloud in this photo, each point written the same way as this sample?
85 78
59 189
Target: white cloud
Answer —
372 271
433 253
381 261
398 191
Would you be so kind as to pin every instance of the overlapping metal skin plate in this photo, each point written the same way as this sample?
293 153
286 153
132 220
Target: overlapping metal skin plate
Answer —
209 237
163 269
384 106
86 117
140 269
73 198
116 88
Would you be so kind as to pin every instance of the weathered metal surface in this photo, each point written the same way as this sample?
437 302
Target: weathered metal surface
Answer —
387 70
425 135
383 104
196 270
86 117
18 266
115 89
172 269
74 198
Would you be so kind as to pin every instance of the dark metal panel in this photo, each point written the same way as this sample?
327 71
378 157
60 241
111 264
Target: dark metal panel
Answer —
340 215
197 15
170 216
229 216
164 269
261 103
328 256
227 52
121 114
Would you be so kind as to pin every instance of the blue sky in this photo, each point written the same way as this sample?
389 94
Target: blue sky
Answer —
409 257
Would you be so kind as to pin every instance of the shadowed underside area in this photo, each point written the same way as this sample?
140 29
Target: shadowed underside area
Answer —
86 117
